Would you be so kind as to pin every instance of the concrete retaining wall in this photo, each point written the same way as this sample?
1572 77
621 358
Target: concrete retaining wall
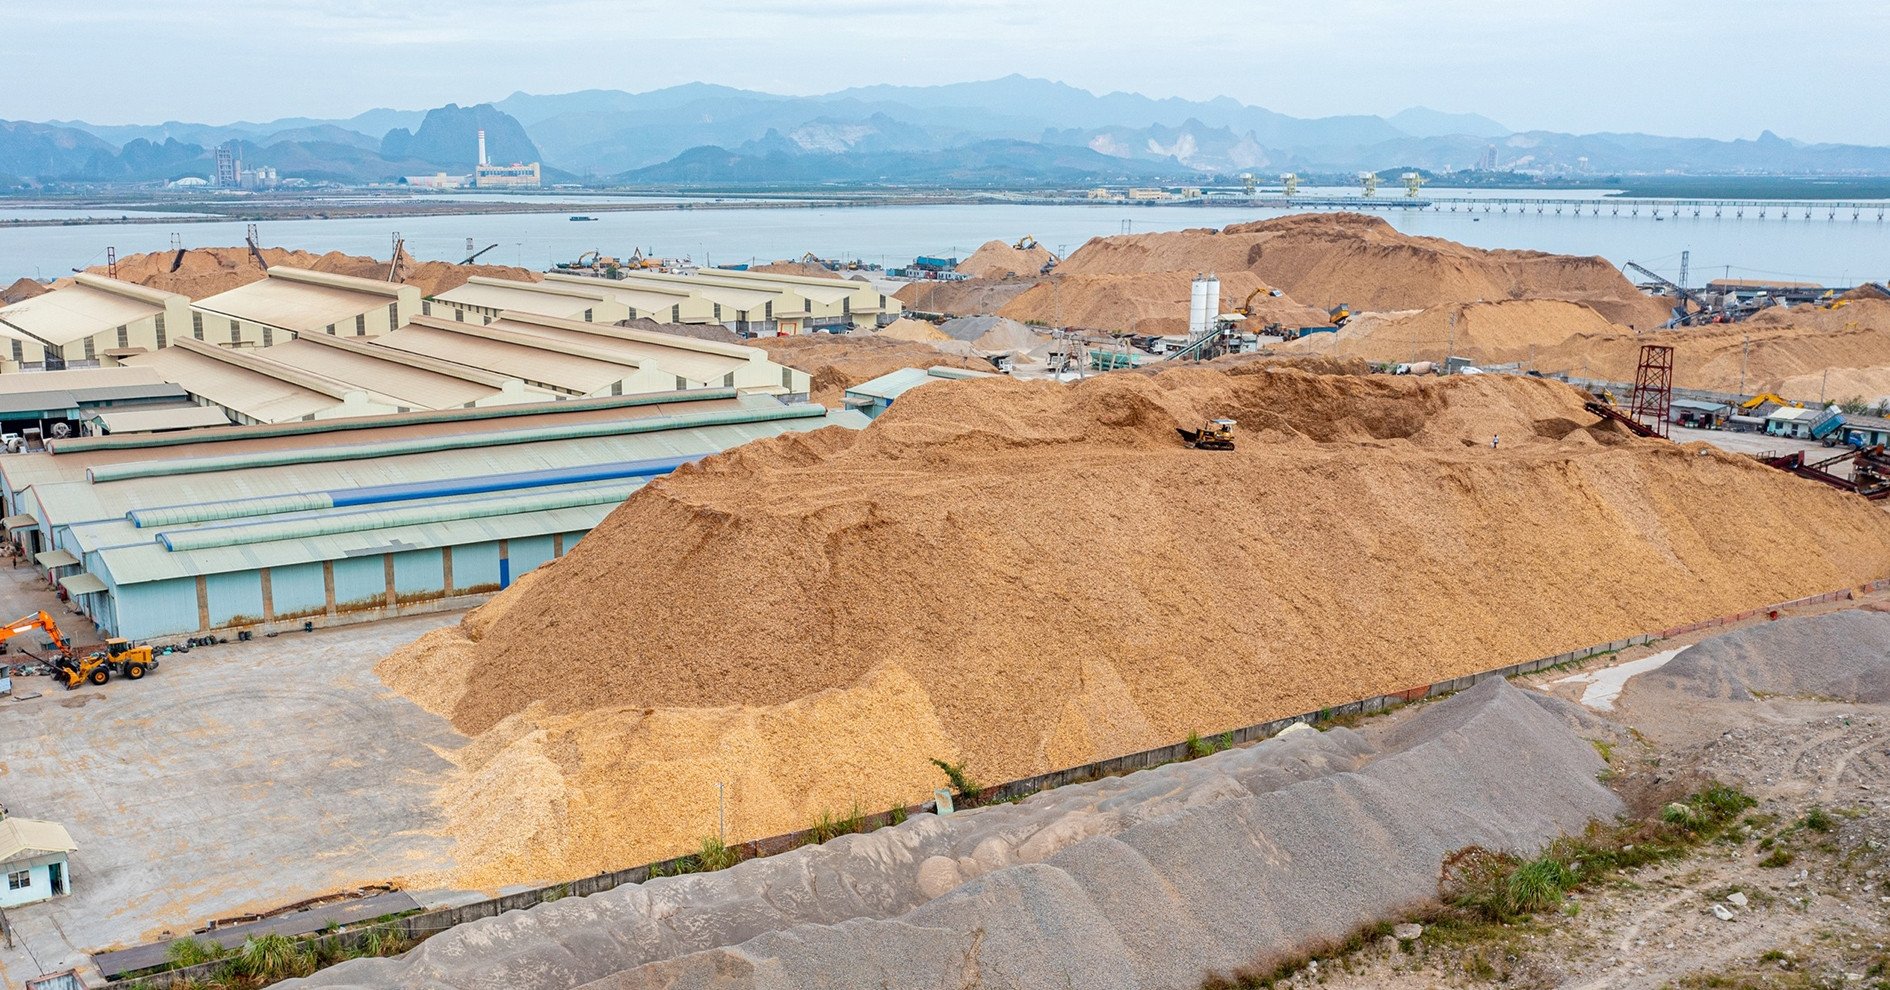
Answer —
420 926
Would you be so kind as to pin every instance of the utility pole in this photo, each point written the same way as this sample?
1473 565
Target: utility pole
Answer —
1745 343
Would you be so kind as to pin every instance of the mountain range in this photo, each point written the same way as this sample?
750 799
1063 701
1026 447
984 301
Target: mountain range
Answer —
1013 131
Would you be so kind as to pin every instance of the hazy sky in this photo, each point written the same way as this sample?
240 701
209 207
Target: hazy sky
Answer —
1809 69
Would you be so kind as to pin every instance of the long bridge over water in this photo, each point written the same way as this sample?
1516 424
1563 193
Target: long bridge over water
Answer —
1659 209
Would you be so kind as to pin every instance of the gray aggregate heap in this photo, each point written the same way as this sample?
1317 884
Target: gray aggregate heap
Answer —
1841 656
1151 880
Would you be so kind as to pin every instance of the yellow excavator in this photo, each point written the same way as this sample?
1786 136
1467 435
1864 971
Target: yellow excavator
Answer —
1765 397
1339 314
119 656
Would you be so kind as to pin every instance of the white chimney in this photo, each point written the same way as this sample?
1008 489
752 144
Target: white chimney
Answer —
482 148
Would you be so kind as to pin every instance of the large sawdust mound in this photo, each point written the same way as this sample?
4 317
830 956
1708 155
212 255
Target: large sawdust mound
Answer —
1747 357
23 290
204 272
906 328
1150 303
1513 330
967 298
801 268
1871 313
1327 259
839 362
1028 575
996 259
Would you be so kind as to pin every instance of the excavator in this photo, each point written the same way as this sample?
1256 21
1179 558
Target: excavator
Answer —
119 656
1765 397
1339 314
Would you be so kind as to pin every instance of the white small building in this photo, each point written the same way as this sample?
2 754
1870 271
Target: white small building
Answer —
33 856
1792 422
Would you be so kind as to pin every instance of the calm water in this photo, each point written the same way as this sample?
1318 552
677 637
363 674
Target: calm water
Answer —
1820 250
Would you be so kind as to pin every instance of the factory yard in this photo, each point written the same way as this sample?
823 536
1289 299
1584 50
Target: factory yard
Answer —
236 778
529 579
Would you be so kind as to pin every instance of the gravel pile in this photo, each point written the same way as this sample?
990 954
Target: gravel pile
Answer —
1149 880
1841 656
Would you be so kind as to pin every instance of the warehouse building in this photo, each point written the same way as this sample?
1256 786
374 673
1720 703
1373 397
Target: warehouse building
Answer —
291 526
481 300
574 358
828 305
662 303
291 300
877 395
89 323
61 403
315 376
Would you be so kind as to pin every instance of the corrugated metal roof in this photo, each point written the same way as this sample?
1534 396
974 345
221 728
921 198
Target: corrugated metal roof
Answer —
166 418
415 388
39 402
24 838
252 393
76 379
581 375
556 299
892 384
75 312
130 555
694 365
151 562
55 558
293 305
82 583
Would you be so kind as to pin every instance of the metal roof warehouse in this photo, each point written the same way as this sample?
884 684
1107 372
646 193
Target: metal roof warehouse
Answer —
268 527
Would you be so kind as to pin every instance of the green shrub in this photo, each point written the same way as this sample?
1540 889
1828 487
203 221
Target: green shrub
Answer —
961 781
272 958
1819 820
191 951
714 854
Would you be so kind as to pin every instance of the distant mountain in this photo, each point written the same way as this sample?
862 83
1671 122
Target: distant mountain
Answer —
995 164
1423 122
711 133
449 138
28 149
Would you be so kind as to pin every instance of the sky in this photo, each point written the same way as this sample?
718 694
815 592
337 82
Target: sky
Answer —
1810 69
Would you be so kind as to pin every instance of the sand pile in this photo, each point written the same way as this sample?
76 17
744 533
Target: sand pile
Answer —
840 362
1327 259
1839 656
801 268
698 331
207 271
23 290
1149 303
996 259
908 329
897 907
965 298
1871 314
1008 573
1790 360
1514 330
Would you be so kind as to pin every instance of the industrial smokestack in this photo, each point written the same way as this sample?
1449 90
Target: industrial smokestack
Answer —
482 148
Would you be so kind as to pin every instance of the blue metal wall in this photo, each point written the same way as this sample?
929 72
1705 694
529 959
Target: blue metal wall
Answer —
360 582
298 590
